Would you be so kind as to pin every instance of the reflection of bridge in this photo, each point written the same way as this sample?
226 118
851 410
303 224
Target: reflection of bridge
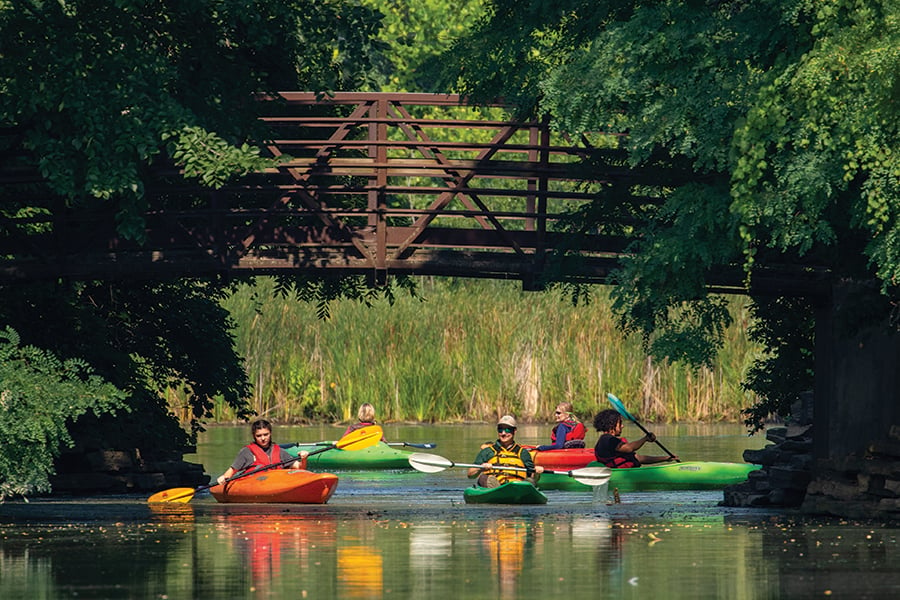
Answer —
370 183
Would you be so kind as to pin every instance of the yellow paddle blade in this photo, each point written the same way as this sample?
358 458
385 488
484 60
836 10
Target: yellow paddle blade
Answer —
365 437
182 495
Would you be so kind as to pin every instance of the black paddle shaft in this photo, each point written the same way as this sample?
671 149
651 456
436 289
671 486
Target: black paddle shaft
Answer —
657 442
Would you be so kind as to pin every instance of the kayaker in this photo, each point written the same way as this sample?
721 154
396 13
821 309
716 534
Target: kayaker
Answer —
366 417
568 431
504 452
615 451
262 452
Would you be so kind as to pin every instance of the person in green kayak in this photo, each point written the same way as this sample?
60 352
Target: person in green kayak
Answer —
261 452
504 452
616 452
365 417
568 431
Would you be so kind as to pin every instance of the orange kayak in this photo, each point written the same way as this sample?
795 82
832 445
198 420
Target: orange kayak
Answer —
278 486
563 460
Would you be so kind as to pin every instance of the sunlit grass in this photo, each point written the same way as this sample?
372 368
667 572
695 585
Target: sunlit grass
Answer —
470 351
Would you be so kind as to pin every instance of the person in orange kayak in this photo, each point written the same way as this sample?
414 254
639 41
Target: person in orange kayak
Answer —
504 452
261 452
615 451
568 431
365 417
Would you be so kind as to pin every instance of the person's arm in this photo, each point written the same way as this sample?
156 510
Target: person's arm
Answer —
635 445
526 459
243 460
483 458
224 476
562 430
300 463
649 460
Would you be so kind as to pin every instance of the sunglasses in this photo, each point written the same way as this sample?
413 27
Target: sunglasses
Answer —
506 429
558 412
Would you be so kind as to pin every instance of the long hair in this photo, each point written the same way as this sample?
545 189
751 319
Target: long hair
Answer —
366 413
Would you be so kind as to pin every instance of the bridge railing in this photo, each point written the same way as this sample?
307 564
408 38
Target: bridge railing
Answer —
366 183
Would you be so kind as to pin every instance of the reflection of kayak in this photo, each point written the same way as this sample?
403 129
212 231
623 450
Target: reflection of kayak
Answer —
564 460
513 492
278 485
694 475
379 456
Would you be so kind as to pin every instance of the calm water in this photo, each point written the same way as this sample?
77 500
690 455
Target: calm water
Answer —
408 535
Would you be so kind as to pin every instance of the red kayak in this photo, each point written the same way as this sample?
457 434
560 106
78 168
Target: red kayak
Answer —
563 460
278 486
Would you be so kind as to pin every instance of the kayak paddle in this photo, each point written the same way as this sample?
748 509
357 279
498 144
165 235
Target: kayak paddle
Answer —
424 445
432 463
355 440
620 408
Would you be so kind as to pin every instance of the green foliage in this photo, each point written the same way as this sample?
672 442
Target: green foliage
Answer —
824 133
95 92
416 31
40 396
785 327
95 98
211 159
785 111
143 338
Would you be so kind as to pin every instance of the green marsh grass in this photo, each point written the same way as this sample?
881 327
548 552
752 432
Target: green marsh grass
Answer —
470 351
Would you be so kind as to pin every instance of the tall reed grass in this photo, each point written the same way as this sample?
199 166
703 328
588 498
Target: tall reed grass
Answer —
471 350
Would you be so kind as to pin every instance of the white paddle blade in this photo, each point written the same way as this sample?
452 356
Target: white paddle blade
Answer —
591 475
429 463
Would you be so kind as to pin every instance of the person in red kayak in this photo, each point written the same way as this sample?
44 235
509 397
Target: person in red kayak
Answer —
615 451
504 452
568 431
262 452
365 417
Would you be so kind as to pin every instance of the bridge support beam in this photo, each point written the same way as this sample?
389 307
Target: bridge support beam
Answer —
857 395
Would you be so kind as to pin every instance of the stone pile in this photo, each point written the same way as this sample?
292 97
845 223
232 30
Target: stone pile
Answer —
786 470
859 487
117 472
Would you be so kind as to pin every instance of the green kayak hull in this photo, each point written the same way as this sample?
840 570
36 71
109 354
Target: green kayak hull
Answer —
696 475
379 456
514 492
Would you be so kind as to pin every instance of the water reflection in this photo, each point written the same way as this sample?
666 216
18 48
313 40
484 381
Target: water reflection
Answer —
360 572
504 542
275 547
408 535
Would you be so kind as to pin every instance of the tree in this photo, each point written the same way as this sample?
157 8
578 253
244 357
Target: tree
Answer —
785 112
92 95
40 396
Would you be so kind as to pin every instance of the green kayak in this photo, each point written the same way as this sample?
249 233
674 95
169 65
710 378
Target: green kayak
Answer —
695 475
513 492
379 456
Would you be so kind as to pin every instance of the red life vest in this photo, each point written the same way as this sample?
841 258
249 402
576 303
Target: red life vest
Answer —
261 459
576 430
620 461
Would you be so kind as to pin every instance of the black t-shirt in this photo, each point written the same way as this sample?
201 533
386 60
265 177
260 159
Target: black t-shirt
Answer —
605 452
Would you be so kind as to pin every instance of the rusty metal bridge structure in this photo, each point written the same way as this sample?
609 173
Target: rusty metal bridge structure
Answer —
373 184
